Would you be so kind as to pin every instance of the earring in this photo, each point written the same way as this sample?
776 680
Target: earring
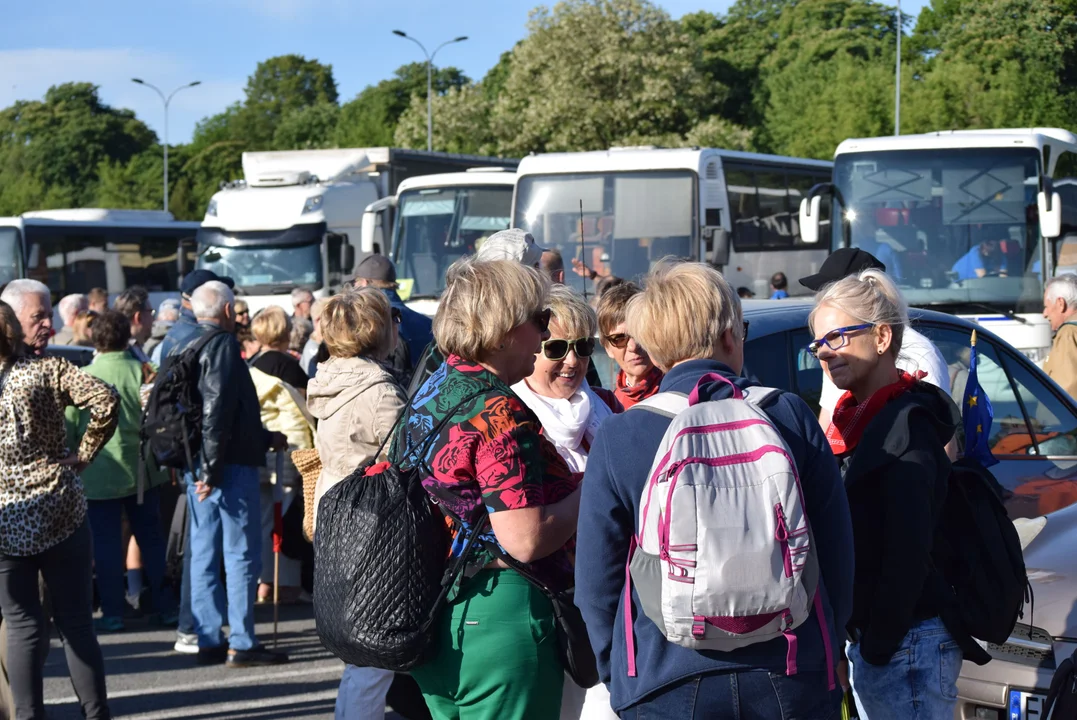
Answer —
501 346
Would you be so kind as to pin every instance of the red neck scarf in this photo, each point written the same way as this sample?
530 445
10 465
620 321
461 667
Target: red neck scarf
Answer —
850 419
647 386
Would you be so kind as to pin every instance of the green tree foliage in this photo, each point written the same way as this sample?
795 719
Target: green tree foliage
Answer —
282 85
305 128
461 123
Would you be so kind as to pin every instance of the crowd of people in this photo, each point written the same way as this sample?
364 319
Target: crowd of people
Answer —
514 434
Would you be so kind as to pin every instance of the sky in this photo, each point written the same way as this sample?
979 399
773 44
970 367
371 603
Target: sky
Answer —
219 43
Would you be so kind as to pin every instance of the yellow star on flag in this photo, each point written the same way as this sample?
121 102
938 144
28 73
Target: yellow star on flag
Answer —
979 428
972 401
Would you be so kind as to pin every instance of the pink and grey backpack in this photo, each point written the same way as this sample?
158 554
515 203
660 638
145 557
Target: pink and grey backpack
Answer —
724 557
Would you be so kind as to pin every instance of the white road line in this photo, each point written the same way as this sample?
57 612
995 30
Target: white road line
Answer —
235 677
218 709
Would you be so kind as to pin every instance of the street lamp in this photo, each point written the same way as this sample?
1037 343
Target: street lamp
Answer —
166 101
429 81
897 83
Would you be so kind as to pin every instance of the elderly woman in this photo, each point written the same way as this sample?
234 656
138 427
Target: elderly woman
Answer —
356 403
82 328
890 432
637 377
496 650
272 328
689 319
43 527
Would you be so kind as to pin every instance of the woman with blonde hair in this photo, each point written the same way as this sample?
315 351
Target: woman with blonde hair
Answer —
690 321
82 328
356 403
889 431
495 645
272 328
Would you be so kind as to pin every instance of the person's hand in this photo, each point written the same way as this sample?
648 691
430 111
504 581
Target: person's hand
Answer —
202 490
843 675
278 441
72 461
581 269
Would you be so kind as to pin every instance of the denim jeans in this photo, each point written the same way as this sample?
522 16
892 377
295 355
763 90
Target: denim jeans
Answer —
109 553
919 682
226 523
752 695
362 693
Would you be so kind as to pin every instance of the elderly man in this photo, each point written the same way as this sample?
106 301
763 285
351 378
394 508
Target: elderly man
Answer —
68 307
378 271
1060 307
223 500
32 304
186 326
168 313
134 304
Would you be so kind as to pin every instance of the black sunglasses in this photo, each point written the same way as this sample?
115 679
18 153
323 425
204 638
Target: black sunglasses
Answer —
558 349
396 315
619 340
745 336
541 319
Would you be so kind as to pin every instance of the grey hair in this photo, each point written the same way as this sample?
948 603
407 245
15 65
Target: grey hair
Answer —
870 297
168 310
70 305
210 299
300 294
1062 286
573 315
16 290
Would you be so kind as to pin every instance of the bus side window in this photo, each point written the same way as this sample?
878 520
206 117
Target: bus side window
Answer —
773 212
743 209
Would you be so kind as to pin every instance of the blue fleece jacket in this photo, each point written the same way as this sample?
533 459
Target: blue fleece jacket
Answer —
415 328
617 468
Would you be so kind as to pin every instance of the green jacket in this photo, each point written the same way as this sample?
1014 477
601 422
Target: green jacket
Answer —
114 474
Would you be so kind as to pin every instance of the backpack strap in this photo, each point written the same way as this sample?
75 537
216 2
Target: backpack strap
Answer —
668 404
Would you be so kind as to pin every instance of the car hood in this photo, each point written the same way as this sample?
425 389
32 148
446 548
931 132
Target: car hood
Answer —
1051 563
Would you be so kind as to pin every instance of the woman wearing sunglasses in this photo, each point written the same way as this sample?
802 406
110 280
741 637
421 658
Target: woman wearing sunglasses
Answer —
637 377
889 432
496 650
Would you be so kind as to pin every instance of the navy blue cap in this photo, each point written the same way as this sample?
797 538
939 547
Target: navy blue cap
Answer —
194 280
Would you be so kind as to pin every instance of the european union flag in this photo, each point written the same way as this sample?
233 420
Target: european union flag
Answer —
977 414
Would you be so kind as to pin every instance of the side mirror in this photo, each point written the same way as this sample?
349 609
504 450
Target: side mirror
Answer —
347 257
1050 207
719 245
809 219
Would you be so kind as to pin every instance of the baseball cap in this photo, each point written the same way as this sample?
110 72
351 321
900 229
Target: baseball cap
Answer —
512 244
376 267
194 280
841 264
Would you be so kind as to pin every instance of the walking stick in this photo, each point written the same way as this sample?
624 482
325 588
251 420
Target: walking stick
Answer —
278 539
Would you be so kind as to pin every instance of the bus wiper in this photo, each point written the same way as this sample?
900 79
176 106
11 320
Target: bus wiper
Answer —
1007 312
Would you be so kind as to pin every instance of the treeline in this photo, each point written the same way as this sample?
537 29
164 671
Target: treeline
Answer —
793 77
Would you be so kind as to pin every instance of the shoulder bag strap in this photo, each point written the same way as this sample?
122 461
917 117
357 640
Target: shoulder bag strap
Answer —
667 404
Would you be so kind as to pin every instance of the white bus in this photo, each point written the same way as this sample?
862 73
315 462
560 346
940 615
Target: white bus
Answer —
736 210
960 219
73 251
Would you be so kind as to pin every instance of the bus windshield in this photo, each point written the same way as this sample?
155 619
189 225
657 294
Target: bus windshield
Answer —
630 220
9 255
953 227
266 270
437 226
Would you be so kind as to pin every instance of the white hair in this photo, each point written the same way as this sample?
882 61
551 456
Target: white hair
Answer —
1062 286
301 294
210 299
16 290
870 297
70 305
168 310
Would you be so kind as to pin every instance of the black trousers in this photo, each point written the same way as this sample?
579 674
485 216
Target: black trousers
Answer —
67 569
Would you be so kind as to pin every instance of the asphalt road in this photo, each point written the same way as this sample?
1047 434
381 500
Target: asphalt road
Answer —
148 681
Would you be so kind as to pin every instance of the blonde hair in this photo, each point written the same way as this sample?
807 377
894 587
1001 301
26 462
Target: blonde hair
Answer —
483 301
574 316
271 326
870 297
612 305
682 313
357 322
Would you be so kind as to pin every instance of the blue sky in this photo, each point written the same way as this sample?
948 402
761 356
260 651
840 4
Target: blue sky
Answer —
219 42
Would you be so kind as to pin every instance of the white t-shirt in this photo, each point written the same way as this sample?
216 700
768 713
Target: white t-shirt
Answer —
917 353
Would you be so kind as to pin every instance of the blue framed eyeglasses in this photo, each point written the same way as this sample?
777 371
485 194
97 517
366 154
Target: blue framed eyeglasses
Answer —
837 338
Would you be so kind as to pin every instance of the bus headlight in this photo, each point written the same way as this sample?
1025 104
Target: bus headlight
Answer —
313 204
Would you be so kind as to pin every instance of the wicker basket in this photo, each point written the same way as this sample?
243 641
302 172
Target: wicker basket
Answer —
309 465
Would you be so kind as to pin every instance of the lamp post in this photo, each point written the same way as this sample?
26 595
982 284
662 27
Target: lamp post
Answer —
429 81
897 71
166 101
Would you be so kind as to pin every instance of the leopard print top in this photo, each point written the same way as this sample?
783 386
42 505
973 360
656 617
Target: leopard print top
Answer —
41 501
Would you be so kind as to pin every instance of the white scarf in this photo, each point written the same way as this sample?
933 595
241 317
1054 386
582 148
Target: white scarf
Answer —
567 423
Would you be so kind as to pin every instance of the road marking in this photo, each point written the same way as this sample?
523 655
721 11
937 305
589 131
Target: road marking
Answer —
221 709
236 677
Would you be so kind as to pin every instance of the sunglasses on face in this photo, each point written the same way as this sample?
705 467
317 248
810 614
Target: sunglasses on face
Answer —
618 340
541 320
837 338
558 349
396 315
745 335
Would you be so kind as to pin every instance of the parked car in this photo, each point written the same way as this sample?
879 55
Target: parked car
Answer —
1034 437
78 355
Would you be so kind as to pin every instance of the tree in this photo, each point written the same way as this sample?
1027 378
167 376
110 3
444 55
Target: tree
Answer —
307 128
280 85
135 184
461 123
594 72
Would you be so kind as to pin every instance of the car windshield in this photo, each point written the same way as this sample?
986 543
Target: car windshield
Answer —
953 227
9 255
437 226
630 220
266 269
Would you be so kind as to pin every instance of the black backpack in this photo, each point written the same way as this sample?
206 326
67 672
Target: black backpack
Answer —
978 551
171 430
381 574
1061 701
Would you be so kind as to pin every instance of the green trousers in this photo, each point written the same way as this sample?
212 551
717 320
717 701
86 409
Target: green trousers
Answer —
496 654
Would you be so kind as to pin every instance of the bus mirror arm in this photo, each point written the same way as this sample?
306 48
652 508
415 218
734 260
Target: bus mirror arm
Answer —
809 211
1049 204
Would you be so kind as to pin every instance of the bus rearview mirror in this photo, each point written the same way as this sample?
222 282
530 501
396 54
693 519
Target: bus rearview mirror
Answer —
1050 211
809 219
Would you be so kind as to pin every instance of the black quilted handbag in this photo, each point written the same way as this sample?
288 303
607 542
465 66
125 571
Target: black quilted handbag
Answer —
380 572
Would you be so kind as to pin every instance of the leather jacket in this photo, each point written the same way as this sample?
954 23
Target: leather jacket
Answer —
232 431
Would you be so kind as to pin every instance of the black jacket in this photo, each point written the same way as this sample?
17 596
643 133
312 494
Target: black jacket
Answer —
896 480
232 432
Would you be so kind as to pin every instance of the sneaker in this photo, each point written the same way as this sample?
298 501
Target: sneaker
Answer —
108 625
186 643
213 655
163 619
257 656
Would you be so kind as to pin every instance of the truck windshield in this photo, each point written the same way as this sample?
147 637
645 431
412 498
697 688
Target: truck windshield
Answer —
9 255
437 226
954 227
266 270
630 220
